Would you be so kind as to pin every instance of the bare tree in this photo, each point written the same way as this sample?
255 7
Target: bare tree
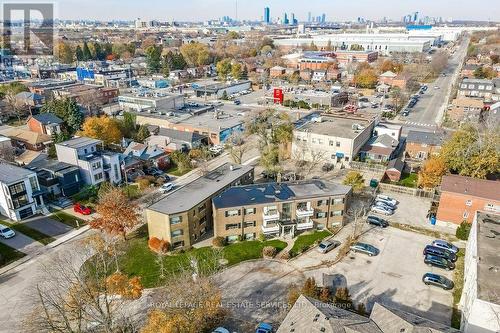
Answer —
237 147
316 158
17 107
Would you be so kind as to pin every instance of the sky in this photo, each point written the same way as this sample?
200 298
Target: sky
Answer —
335 10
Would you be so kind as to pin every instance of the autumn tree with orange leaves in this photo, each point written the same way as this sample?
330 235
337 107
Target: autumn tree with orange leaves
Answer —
117 214
431 173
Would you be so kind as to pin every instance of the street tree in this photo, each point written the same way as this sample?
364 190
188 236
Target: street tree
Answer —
354 179
195 54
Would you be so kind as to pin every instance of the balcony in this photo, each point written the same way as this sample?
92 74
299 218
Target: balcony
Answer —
270 215
308 224
304 210
270 228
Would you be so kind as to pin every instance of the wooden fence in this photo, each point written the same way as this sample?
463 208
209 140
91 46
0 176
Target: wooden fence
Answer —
416 192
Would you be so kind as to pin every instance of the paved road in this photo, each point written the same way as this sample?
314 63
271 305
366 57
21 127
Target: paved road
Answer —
23 243
428 111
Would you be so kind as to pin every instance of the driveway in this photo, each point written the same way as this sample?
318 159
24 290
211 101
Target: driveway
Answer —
48 226
23 243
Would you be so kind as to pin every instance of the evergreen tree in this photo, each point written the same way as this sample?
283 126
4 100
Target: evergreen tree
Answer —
153 58
87 55
98 52
79 53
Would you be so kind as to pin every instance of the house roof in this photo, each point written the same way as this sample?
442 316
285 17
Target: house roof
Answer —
48 118
388 74
26 95
482 188
10 173
180 135
396 164
80 142
32 138
143 151
29 156
429 138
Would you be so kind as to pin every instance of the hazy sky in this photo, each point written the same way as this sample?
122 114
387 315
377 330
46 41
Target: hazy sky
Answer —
189 10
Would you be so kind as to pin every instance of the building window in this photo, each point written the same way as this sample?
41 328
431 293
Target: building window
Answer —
337 144
233 212
20 201
202 207
320 141
466 214
34 184
249 211
331 143
177 233
98 176
202 220
336 213
175 220
96 165
233 226
321 203
338 201
116 171
321 215
249 224
468 203
17 188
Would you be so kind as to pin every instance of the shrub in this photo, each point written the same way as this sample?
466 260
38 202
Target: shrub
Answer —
269 251
145 181
262 237
158 245
285 255
219 241
463 230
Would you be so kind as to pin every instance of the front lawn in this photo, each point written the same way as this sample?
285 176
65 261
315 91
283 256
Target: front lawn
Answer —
176 172
408 180
137 260
32 233
304 242
9 255
68 219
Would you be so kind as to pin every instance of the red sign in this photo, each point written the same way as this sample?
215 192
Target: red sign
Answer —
278 96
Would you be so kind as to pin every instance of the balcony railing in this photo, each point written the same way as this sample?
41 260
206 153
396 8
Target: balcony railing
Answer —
305 225
270 215
270 228
304 211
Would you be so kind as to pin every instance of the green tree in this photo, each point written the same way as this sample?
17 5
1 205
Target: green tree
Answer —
153 58
79 53
68 111
366 78
87 55
181 160
355 179
224 68
65 53
236 71
142 134
195 54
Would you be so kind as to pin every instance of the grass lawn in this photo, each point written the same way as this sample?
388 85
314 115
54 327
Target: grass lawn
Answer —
175 171
32 233
67 219
303 242
9 255
408 180
138 260
132 191
458 279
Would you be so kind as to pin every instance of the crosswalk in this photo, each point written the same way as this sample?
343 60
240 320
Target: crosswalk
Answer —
413 123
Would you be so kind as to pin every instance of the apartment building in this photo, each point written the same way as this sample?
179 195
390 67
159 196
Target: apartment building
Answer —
185 215
20 196
96 165
279 209
465 108
480 301
332 138
489 90
462 196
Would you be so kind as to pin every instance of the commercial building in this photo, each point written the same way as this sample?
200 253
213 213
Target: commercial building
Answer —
465 109
96 165
332 138
462 196
218 90
185 215
318 98
144 100
279 209
480 301
20 196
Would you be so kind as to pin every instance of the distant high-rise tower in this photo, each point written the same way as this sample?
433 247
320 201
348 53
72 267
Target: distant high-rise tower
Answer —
415 17
267 15
323 18
309 15
285 19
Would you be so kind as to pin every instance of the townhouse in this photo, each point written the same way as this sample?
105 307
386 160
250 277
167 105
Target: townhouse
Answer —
421 145
465 109
278 209
488 90
184 216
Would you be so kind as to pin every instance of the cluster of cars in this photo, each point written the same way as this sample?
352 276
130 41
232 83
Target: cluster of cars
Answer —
384 205
442 254
413 100
241 93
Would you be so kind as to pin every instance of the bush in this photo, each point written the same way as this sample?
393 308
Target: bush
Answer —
158 245
219 241
262 237
268 251
285 255
463 230
145 181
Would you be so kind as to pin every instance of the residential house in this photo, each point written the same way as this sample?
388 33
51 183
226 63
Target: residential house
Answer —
29 156
45 123
184 216
380 148
25 139
57 178
319 75
171 140
96 165
140 155
421 145
462 196
480 301
400 81
387 78
336 138
278 209
276 71
311 315
29 99
392 130
20 196
394 169
468 70
465 109
306 74
333 74
479 88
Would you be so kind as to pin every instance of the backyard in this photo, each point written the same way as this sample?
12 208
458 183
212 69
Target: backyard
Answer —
408 180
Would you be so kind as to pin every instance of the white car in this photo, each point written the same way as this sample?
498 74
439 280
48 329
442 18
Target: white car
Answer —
221 330
385 198
6 232
382 210
216 149
167 187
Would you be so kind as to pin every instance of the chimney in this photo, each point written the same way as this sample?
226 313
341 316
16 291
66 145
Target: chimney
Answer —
231 167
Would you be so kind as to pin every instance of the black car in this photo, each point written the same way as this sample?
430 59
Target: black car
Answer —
436 251
441 262
437 280
375 220
154 172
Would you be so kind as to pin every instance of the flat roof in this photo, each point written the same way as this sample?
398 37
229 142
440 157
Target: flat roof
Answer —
488 263
256 194
79 142
200 189
337 126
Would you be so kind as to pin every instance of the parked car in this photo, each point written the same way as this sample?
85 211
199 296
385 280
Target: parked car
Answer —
166 187
382 210
216 149
382 197
437 280
378 221
264 328
437 251
440 262
436 87
133 174
365 248
79 208
154 172
327 167
326 246
6 232
268 175
221 330
237 102
385 205
445 245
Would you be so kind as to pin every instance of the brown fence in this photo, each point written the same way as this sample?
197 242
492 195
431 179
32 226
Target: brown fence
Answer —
367 166
416 192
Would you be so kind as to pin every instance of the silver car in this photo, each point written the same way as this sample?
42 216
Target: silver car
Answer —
326 246
382 210
364 248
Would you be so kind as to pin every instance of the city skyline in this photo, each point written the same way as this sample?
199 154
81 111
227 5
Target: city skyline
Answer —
484 10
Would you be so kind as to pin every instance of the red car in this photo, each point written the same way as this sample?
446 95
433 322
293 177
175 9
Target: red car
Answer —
79 208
